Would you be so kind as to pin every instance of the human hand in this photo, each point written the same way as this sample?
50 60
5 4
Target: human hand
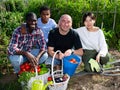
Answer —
40 54
68 52
33 60
98 58
37 59
60 55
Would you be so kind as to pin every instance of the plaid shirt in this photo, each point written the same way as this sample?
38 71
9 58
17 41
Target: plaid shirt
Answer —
26 42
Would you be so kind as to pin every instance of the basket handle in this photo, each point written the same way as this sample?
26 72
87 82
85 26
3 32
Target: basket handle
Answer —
36 72
52 66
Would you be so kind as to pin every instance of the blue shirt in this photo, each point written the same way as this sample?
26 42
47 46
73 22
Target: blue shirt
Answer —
46 27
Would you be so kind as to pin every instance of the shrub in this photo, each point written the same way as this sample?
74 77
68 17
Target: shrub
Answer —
13 12
9 21
14 5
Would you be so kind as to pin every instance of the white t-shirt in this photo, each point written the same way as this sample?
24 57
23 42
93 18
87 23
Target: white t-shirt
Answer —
93 40
46 27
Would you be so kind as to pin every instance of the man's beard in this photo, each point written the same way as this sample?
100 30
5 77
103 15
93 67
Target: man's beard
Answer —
31 27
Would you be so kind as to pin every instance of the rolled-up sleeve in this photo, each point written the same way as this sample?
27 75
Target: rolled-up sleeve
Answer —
12 48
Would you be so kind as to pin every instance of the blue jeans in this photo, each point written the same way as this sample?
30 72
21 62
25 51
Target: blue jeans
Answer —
17 60
49 61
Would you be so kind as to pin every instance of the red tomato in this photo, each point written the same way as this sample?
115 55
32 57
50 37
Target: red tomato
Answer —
32 71
26 64
27 67
38 69
49 78
23 69
22 66
73 60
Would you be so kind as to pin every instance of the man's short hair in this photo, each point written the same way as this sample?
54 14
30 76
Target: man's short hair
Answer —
43 8
31 15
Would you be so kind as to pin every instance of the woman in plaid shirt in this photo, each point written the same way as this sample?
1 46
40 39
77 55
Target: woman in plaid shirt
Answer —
27 44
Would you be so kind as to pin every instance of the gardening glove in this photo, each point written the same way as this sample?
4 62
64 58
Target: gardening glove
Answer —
94 65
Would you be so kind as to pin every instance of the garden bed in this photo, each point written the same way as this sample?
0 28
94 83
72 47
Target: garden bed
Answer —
85 82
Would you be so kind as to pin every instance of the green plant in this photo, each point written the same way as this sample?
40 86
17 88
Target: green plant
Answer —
14 5
4 40
9 21
25 77
110 37
34 6
118 46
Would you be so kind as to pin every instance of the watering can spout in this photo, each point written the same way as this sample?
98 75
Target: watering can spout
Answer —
48 83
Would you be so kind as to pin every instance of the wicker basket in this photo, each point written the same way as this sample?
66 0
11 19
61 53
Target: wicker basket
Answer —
58 73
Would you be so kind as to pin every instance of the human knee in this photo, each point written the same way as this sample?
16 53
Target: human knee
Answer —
43 58
16 59
45 55
49 61
87 67
104 60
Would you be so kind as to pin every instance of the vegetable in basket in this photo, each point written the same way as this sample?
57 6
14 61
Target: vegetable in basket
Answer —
25 77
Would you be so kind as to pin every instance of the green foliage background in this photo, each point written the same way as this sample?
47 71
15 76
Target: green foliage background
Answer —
107 13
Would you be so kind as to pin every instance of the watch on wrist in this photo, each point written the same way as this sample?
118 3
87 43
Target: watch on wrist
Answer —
72 51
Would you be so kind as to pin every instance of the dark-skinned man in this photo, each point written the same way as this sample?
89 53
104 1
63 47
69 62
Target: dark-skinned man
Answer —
27 44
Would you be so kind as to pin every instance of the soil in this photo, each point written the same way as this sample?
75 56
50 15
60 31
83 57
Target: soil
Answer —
96 81
85 82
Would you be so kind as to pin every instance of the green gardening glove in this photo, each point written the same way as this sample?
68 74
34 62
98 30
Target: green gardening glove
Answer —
94 65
